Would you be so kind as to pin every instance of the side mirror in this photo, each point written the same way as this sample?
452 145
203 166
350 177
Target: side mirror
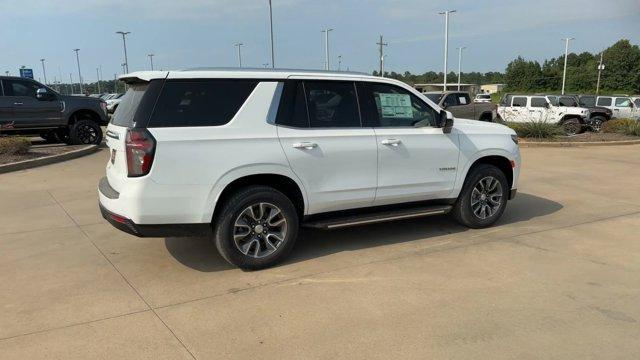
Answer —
43 95
446 121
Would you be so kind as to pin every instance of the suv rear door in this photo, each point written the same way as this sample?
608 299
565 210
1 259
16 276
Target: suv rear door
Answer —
28 111
416 160
323 139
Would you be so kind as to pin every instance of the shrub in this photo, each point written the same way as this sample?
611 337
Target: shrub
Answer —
617 125
536 129
14 145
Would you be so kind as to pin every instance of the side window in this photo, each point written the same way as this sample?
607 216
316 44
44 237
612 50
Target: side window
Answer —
20 88
396 107
200 103
332 104
538 102
463 99
604 101
623 102
587 101
450 100
568 101
553 100
519 101
637 102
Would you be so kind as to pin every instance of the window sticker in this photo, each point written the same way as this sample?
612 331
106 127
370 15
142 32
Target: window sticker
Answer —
462 100
395 105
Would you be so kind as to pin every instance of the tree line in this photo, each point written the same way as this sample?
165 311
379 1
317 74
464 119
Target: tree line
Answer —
621 73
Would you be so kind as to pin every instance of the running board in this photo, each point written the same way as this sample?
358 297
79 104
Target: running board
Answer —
370 218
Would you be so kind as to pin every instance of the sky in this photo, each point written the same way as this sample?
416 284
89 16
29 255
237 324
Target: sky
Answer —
195 33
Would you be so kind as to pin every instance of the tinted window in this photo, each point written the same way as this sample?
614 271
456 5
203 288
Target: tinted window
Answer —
623 102
450 100
567 101
587 101
128 105
20 88
434 97
519 101
332 104
637 102
200 103
604 101
538 102
553 100
396 107
293 107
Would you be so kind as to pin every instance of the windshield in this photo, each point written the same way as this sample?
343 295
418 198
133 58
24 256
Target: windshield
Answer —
434 97
484 96
128 105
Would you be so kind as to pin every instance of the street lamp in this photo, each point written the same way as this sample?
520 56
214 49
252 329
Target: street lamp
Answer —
446 43
600 68
151 60
273 60
44 73
98 76
460 64
239 45
79 74
339 62
566 53
326 48
124 44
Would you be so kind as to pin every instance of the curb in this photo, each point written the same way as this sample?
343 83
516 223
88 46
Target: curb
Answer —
47 160
577 143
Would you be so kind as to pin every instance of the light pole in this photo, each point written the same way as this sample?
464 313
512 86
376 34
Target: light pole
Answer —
124 44
71 82
123 66
98 76
326 48
265 65
446 43
339 62
566 53
151 60
460 64
239 45
79 73
44 72
273 60
600 68
381 44
382 65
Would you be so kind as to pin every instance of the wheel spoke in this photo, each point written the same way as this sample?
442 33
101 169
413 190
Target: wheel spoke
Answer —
259 230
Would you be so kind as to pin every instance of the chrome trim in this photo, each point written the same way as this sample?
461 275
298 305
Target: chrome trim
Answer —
113 135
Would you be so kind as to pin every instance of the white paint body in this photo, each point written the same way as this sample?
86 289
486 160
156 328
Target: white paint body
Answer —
347 169
528 113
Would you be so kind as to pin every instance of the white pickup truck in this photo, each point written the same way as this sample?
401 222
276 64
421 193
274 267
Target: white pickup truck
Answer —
539 108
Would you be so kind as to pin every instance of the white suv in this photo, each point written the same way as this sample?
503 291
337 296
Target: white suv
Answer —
249 156
542 108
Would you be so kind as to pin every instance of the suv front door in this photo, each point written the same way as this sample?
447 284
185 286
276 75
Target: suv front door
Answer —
323 139
623 108
416 160
28 111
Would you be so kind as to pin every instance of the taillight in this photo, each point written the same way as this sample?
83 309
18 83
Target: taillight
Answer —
140 148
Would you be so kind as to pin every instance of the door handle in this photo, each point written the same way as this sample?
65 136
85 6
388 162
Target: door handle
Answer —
18 103
305 145
391 142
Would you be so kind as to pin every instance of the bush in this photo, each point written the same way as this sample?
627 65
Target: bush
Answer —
14 145
616 125
536 129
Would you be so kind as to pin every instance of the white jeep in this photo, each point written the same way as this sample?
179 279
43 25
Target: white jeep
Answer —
249 156
542 108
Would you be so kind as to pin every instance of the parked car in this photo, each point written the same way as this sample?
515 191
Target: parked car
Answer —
29 107
460 105
113 102
597 115
248 156
482 98
527 108
623 107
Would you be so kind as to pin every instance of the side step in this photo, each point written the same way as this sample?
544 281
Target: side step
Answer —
376 217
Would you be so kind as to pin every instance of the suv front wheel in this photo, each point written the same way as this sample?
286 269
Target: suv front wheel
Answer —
483 197
256 228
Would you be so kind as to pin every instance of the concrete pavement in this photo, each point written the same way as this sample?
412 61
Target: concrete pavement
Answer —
557 278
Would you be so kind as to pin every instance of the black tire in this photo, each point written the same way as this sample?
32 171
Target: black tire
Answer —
85 132
63 135
232 212
596 123
486 117
463 210
50 137
572 127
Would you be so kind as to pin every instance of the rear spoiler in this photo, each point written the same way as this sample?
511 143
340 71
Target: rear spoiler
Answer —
142 76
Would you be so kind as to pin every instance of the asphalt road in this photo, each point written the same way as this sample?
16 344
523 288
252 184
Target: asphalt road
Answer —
557 278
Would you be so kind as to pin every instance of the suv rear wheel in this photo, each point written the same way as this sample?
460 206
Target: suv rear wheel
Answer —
257 228
85 132
483 197
572 127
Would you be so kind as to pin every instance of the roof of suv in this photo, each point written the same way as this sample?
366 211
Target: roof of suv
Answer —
246 73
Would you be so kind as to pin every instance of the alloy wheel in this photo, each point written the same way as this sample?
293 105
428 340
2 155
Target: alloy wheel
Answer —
486 197
259 230
87 134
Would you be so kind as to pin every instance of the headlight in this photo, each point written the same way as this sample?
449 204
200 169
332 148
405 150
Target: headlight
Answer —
514 138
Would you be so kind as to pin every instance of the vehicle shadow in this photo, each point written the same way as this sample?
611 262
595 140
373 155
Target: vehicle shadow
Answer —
200 253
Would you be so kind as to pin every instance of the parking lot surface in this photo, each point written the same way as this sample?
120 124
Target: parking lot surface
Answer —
558 277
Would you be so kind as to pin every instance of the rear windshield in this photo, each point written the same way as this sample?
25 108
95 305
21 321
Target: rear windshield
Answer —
128 105
484 96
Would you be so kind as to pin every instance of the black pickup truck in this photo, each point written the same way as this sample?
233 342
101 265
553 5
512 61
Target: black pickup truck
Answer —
30 108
